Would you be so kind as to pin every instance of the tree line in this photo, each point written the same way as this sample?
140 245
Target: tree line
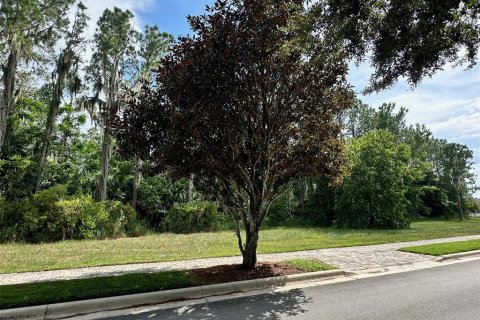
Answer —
395 173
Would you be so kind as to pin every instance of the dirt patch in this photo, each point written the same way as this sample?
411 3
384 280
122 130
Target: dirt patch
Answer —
230 273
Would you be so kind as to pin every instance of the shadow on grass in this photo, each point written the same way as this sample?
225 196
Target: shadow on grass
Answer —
271 306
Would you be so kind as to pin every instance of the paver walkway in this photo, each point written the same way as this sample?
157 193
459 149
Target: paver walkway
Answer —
354 259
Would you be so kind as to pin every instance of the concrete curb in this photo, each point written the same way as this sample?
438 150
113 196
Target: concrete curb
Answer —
76 308
458 255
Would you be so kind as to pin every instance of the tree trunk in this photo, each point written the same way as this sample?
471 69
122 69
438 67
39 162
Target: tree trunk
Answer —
249 252
62 69
190 189
8 97
455 180
46 147
289 203
302 194
3 121
460 206
105 161
136 181
112 86
459 200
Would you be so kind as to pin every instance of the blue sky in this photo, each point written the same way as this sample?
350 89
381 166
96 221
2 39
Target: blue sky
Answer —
448 103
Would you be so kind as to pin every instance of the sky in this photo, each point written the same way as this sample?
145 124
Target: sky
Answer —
448 103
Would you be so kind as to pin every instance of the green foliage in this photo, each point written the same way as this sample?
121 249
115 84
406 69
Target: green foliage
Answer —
19 149
52 215
373 194
435 202
193 217
157 195
136 228
442 172
472 205
408 38
361 118
281 209
319 206
154 44
42 217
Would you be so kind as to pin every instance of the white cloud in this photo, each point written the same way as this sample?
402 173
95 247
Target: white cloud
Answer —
95 9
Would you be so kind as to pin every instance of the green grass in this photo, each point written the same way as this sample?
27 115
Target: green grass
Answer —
168 247
20 295
310 265
440 249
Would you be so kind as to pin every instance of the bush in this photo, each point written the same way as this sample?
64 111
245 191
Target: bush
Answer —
80 216
51 215
156 195
136 228
193 217
87 219
42 218
119 217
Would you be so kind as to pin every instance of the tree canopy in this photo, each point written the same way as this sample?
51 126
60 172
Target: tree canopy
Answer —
409 38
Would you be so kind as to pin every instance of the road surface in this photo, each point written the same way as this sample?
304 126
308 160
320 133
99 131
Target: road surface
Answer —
442 293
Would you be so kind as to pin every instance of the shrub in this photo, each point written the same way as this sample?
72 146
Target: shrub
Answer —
119 216
136 228
88 219
51 215
156 195
193 217
82 217
42 219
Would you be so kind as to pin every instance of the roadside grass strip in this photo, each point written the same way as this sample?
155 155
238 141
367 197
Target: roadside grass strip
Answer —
30 294
310 265
440 249
18 257
40 293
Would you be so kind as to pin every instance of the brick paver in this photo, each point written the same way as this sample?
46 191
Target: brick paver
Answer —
354 259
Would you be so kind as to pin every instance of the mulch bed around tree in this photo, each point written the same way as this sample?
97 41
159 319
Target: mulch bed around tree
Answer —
230 273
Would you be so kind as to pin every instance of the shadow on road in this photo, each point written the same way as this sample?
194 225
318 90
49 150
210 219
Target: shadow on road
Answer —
270 306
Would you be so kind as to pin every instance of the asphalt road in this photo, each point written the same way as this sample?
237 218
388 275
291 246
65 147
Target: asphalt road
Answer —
450 292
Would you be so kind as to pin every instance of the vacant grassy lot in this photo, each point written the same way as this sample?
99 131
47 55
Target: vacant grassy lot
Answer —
168 247
440 249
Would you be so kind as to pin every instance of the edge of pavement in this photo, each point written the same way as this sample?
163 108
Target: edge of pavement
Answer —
458 255
83 307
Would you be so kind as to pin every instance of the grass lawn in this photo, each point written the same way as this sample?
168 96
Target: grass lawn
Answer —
169 247
439 249
22 295
310 265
